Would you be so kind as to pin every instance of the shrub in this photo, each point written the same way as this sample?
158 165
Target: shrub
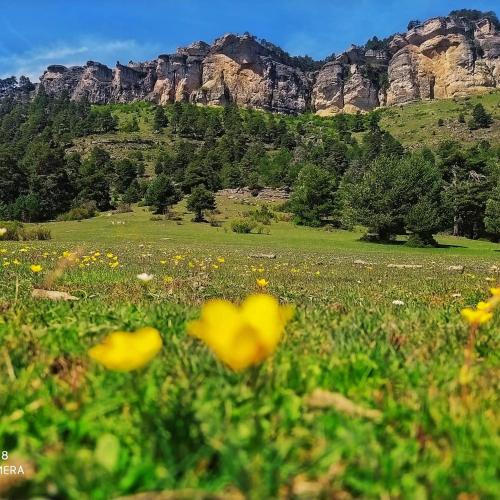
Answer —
17 232
123 208
36 233
262 215
86 210
14 229
242 226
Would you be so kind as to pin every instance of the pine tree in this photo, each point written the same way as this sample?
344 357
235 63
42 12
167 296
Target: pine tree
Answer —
160 120
201 199
162 194
480 118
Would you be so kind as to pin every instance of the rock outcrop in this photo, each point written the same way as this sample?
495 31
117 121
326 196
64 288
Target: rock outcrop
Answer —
444 57
352 82
440 58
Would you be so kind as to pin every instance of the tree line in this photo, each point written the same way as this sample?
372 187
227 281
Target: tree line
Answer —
344 171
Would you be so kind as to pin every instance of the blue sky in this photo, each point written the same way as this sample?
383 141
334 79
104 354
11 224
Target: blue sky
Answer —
35 33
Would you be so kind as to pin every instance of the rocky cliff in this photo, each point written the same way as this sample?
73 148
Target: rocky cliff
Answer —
440 58
444 57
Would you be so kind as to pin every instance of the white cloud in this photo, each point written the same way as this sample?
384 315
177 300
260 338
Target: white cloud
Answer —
33 62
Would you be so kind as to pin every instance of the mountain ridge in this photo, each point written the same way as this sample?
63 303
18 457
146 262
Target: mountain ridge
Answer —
442 57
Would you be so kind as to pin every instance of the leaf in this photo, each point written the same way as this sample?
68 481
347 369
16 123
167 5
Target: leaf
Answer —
107 451
39 293
320 398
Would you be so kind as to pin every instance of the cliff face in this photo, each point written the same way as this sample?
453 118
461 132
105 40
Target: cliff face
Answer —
352 82
443 57
234 69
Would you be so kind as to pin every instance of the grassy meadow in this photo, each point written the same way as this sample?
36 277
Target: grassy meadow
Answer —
363 397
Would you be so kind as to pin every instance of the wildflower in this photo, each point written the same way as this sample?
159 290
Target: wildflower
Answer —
114 264
168 280
221 260
109 255
3 231
126 351
145 277
484 306
262 282
398 303
36 268
476 316
495 291
242 336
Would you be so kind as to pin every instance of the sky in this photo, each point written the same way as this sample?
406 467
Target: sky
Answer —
36 33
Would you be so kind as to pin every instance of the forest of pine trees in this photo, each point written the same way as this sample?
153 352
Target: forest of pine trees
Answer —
343 171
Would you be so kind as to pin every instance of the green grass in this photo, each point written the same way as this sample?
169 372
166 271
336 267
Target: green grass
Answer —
188 425
416 123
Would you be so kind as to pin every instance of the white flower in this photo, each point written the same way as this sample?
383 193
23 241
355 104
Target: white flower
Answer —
456 295
3 231
398 302
145 277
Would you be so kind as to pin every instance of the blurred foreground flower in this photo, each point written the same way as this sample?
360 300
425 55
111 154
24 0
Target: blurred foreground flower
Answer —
242 336
483 311
127 351
476 316
3 231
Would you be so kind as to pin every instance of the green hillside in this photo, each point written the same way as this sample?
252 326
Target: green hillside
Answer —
418 123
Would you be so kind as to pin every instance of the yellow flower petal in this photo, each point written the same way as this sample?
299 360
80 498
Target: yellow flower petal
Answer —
475 317
125 351
244 336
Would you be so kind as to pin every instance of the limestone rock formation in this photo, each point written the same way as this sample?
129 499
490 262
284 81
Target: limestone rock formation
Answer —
444 57
440 58
351 82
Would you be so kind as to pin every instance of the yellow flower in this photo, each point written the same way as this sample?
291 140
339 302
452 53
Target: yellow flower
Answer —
109 255
125 351
221 260
168 280
262 282
36 268
484 306
495 291
476 317
242 336
114 264
3 231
